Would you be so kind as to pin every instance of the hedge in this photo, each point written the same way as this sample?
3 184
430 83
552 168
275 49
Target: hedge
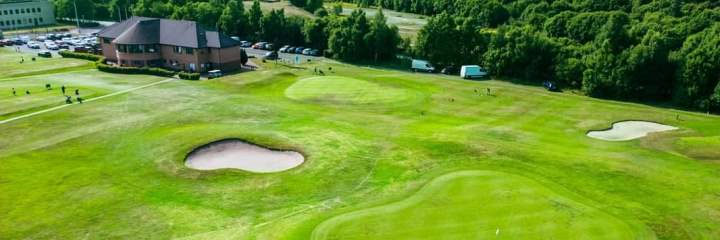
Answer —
100 64
135 70
189 76
86 56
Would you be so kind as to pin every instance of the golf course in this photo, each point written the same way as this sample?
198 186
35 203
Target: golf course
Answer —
377 154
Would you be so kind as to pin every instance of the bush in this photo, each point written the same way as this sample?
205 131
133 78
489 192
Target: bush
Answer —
86 56
189 76
134 70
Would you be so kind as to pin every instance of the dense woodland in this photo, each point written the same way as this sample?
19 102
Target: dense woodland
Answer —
643 50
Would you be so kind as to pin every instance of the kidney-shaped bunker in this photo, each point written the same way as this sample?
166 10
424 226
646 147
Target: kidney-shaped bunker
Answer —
235 153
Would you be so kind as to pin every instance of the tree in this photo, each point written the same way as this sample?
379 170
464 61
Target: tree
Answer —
255 16
698 63
440 30
312 5
315 33
243 57
382 39
233 19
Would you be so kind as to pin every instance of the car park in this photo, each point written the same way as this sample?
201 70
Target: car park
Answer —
52 46
46 54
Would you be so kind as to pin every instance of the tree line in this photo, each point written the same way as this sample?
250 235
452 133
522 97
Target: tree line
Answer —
660 51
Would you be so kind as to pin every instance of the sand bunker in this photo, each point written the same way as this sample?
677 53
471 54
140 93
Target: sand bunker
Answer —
233 153
628 130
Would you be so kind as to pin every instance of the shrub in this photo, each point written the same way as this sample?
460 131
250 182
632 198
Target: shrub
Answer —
134 70
86 56
189 76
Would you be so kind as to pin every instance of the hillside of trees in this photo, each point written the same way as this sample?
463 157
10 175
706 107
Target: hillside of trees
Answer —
640 50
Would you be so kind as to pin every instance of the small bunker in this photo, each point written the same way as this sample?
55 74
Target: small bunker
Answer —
629 130
237 154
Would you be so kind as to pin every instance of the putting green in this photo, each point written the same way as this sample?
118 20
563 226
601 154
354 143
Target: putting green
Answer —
478 205
345 90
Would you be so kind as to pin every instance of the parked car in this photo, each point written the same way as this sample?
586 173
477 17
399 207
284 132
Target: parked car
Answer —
259 45
316 52
63 46
52 46
214 74
245 44
472 71
449 70
551 86
236 38
299 50
46 54
269 46
421 66
41 38
81 49
271 55
307 51
33 45
284 48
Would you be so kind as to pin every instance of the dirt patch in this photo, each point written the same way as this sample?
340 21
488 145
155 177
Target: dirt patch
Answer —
237 154
629 130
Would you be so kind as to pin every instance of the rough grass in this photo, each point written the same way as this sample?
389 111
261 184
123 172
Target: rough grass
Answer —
113 168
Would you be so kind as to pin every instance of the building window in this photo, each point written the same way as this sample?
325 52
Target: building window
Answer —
177 49
41 20
122 48
150 48
17 11
32 10
188 50
105 40
138 63
39 9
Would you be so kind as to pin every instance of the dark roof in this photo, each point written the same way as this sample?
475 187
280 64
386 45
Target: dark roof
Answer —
142 30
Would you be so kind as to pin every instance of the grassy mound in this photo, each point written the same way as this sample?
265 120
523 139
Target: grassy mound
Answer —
478 205
345 90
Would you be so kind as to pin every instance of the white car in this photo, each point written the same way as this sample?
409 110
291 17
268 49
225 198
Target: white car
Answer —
33 45
52 46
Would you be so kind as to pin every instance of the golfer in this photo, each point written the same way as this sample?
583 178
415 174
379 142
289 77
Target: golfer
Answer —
77 92
62 89
14 92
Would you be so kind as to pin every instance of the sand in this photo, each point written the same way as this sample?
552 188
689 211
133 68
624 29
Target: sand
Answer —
241 155
629 130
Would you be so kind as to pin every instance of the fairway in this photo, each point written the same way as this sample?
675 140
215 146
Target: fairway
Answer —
345 90
387 155
12 66
478 205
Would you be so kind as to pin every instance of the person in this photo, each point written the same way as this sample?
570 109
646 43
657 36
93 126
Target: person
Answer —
68 100
315 70
488 91
62 89
14 93
47 86
77 92
79 99
22 59
27 92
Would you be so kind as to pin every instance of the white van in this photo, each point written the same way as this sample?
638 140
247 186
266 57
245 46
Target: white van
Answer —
472 71
422 66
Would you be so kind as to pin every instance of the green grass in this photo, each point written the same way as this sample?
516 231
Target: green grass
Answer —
113 168
12 66
91 83
700 147
345 90
478 205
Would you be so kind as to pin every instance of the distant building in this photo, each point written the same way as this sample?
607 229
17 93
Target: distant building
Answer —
25 13
175 44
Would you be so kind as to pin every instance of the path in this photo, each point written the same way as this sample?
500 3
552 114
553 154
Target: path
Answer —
86 101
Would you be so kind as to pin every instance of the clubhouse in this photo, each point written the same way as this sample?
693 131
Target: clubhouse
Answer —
173 44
